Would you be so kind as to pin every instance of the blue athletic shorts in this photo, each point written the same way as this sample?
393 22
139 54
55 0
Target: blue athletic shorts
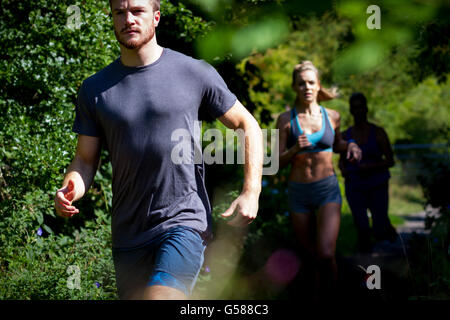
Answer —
172 259
308 197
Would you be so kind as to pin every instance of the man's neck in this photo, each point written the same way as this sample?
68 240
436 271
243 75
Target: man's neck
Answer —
361 124
145 55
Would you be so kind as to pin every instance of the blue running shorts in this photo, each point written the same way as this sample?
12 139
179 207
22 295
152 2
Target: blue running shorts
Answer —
172 259
308 197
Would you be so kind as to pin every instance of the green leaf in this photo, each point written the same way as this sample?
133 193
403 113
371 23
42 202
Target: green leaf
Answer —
47 228
40 217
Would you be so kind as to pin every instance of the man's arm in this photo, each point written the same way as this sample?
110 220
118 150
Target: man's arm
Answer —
385 145
340 145
341 165
79 175
246 205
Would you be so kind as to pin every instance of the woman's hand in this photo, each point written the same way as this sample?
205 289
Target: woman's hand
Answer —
303 142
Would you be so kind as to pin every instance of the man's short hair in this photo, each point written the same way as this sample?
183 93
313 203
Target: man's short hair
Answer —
358 96
156 4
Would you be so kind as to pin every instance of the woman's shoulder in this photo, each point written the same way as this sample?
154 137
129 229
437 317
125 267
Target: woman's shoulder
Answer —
284 119
334 114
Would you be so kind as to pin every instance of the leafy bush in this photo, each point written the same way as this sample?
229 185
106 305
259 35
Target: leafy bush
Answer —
430 256
43 62
42 65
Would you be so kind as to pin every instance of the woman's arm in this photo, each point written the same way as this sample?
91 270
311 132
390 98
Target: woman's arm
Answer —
285 154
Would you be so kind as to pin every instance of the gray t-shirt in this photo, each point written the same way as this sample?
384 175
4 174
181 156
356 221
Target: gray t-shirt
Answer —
135 110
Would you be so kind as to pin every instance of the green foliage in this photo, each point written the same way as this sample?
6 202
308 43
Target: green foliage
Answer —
270 73
244 26
180 27
44 59
434 48
434 178
430 267
240 27
410 111
38 267
43 63
398 21
427 110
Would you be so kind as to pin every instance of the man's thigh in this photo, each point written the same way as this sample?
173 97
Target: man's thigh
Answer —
133 268
357 199
173 260
178 260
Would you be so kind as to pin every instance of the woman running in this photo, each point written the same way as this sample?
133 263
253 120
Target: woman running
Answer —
309 133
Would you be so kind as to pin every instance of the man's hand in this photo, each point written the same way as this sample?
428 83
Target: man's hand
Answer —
246 208
354 153
246 205
63 201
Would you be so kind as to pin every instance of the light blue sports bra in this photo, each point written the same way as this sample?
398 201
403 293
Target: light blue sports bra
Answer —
321 140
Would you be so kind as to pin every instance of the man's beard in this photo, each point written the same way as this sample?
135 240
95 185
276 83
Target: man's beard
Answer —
136 44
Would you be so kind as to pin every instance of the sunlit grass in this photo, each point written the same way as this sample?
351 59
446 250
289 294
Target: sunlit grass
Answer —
405 198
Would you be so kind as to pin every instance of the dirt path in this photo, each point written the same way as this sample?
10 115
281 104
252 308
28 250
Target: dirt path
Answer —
392 261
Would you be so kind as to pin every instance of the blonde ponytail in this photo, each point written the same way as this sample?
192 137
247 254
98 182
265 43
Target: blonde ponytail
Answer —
327 94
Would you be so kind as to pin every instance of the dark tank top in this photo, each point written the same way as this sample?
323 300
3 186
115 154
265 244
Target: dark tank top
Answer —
371 153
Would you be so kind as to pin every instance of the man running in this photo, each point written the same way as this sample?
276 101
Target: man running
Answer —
160 211
367 182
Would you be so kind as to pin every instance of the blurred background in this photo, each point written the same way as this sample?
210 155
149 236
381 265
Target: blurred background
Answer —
398 59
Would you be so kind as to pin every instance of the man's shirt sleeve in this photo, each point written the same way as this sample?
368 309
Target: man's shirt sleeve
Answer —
85 118
217 98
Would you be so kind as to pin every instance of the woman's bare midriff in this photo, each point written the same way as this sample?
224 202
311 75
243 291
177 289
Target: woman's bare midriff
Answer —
311 167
